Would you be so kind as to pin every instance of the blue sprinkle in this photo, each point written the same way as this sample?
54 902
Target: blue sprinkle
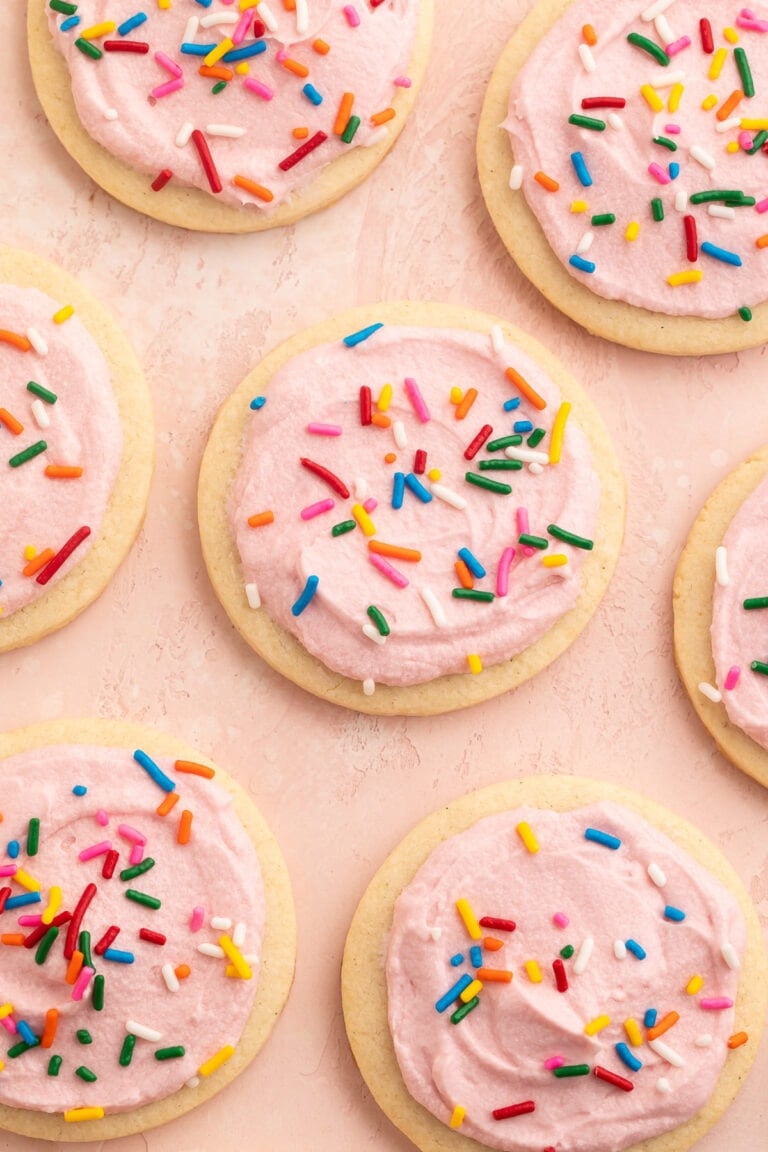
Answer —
118 956
309 590
26 1033
398 489
22 901
245 52
258 402
457 959
70 22
197 49
580 167
575 260
674 170
154 770
131 23
522 426
636 950
312 94
510 405
650 1017
629 1058
476 956
472 563
205 3
721 254
79 790
363 334
452 993
13 849
418 488
672 913
604 838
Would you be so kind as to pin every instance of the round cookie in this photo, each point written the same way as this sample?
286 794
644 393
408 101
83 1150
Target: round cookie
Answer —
647 327
693 596
558 1026
398 336
277 955
53 385
198 208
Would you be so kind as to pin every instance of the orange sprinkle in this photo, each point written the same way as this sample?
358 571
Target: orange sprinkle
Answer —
499 975
289 5
762 241
380 420
49 1031
737 1039
261 193
728 105
16 938
63 471
321 47
185 827
492 944
530 394
295 67
11 423
19 342
467 401
74 966
466 579
300 133
546 181
216 71
383 116
260 519
38 562
193 769
393 550
344 113
164 808
181 971
663 1025
390 458
589 34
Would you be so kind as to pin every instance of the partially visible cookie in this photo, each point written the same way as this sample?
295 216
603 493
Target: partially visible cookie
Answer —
166 947
721 623
77 432
547 952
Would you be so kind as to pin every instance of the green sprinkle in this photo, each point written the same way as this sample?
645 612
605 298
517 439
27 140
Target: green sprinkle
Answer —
571 1070
756 666
89 49
33 833
136 870
84 1036
142 898
567 952
665 143
603 218
170 1053
648 46
570 537
97 999
741 201
85 947
747 83
587 122
378 619
20 1048
43 393
465 1010
63 7
500 465
745 313
86 1074
657 208
473 594
126 1052
533 541
45 945
505 442
28 454
756 602
535 438
352 126
714 194
218 87
489 485
54 1064
758 142
343 528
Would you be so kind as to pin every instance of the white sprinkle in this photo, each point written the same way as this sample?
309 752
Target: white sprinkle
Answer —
721 566
615 121
221 923
710 692
399 433
619 949
211 950
585 243
111 114
587 59
656 9
435 933
252 595
721 210
663 1085
666 1053
434 606
373 634
369 686
238 934
361 488
170 977
376 136
657 874
497 338
230 130
665 79
184 133
701 156
681 200
727 125
39 411
527 455
704 1040
536 469
191 30
728 953
251 957
37 341
266 15
192 1082
582 959
218 18
302 17
516 177
664 29
448 496
142 1031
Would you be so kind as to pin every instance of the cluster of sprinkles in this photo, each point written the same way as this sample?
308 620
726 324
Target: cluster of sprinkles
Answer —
758 603
219 48
486 954
519 441
66 932
677 64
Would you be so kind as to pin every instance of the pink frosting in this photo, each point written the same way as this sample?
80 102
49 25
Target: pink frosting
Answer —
322 386
114 100
83 431
739 635
218 870
504 1052
550 88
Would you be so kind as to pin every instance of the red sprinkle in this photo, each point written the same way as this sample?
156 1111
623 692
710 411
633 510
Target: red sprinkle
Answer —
325 474
420 462
36 935
603 102
203 151
365 404
613 1078
110 863
514 1110
258 29
125 46
73 931
63 554
307 147
110 934
705 29
62 918
478 442
501 925
161 180
4 894
152 937
561 979
691 240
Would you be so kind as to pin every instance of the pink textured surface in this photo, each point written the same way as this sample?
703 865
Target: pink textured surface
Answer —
339 790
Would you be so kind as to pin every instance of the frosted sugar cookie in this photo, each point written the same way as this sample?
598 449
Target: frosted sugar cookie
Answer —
721 624
77 436
228 117
410 508
147 945
621 154
547 952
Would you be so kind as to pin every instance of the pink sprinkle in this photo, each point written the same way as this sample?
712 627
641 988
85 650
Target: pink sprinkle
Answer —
259 88
387 570
8 1024
99 849
678 46
136 854
732 678
131 834
370 504
101 815
197 919
313 510
169 65
762 205
659 173
751 24
281 55
713 1003
241 30
82 983
416 398
560 919
167 89
351 13
402 82
672 129
554 1062
502 573
29 921
325 429
8 870
745 141
523 529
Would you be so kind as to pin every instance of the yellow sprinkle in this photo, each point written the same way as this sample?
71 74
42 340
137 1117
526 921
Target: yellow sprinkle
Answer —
718 60
30 552
556 560
533 971
652 98
5 1010
731 35
694 985
457 1116
675 97
475 663
434 474
216 1060
525 832
97 30
597 1025
709 102
469 919
220 50
73 1115
164 4
243 68
363 520
456 395
579 206
63 314
54 903
754 125
233 953
633 230
385 398
246 4
689 276
2 1065
634 1035
471 991
558 429
27 881
732 146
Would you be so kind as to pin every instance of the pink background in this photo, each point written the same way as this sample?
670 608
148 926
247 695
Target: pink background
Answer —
340 789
